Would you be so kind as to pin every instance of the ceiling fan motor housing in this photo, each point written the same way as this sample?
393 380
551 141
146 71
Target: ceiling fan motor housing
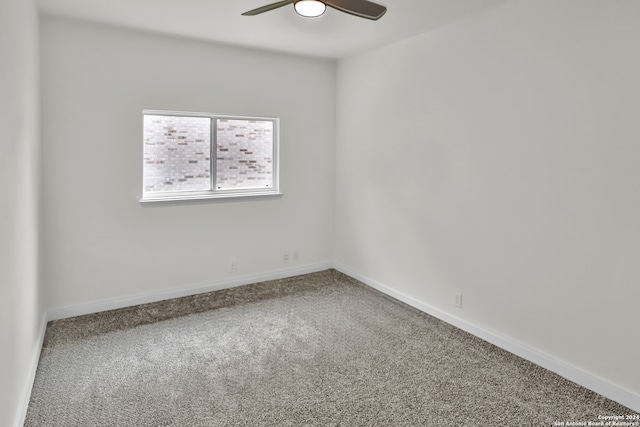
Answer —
310 8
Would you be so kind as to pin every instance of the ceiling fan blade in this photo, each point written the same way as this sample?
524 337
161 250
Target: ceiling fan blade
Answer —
362 8
268 7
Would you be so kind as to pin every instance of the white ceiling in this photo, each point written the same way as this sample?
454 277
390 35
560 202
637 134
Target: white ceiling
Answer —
333 35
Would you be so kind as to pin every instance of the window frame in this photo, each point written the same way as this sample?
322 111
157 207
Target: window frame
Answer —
215 193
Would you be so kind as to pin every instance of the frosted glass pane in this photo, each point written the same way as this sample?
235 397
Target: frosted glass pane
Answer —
244 154
177 153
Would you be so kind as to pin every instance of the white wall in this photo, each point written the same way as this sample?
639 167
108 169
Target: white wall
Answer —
20 308
99 242
499 157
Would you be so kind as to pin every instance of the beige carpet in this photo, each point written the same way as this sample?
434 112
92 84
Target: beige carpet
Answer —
314 350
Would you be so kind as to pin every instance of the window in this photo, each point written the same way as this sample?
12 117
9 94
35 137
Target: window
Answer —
200 156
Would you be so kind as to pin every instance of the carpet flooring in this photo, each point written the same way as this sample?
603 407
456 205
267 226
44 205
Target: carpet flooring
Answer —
315 350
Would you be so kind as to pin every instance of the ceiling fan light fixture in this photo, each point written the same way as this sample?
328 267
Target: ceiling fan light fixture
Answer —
310 8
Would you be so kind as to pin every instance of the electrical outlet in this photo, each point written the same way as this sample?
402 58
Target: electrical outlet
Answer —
286 257
233 265
458 299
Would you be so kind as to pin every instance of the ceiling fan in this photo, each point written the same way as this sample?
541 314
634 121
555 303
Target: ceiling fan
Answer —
312 8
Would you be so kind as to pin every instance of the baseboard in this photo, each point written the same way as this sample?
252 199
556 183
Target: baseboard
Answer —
585 379
23 405
193 289
589 381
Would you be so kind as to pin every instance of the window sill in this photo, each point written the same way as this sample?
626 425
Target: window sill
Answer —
211 196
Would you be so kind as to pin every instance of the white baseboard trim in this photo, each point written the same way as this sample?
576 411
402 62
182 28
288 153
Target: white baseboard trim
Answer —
565 370
23 405
587 380
193 289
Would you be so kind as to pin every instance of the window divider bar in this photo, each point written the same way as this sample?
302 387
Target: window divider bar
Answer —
213 155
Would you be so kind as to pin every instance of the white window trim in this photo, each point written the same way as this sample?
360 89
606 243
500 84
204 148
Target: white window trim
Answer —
214 193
